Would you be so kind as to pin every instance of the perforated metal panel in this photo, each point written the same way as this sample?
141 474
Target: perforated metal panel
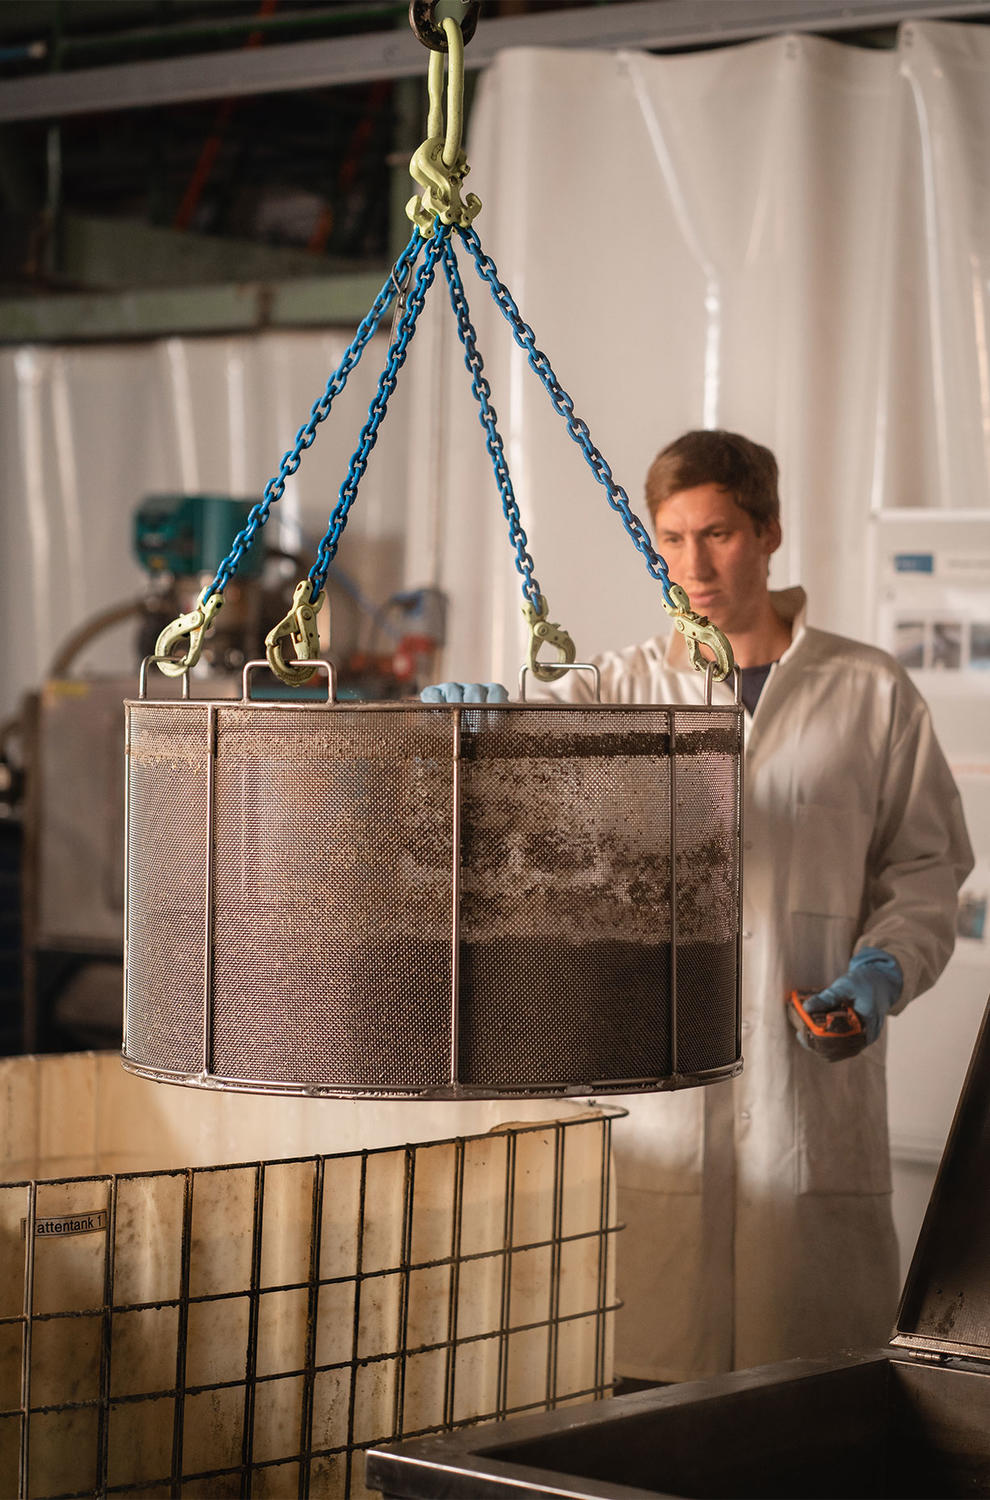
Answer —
432 900
165 896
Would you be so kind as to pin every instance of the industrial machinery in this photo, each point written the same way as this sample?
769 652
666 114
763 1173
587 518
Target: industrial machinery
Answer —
67 782
388 647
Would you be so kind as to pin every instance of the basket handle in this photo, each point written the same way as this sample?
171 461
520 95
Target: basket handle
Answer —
317 665
559 667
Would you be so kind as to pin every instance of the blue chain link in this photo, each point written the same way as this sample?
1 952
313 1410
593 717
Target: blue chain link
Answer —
376 411
487 417
319 412
564 405
437 246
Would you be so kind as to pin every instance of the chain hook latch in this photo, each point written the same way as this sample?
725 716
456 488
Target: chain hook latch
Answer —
699 631
193 625
298 626
544 632
440 164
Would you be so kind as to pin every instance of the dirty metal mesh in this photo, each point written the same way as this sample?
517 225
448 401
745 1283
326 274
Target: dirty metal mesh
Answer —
332 930
250 1329
565 906
331 960
706 754
166 862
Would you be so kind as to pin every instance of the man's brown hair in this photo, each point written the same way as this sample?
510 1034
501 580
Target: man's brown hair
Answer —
711 456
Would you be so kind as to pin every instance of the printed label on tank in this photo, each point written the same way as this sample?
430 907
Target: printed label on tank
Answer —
58 1226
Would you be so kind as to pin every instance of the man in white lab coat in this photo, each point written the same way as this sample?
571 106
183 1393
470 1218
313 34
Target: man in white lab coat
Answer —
757 1211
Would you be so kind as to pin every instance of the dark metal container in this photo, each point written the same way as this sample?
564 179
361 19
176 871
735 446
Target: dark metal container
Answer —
433 901
908 1420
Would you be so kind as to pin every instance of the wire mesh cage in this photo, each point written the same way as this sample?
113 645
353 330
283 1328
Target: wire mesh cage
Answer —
249 1329
432 901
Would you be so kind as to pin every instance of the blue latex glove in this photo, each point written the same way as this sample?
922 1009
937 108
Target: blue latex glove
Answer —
872 982
464 692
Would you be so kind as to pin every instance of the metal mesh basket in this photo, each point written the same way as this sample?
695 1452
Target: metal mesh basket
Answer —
250 1329
430 900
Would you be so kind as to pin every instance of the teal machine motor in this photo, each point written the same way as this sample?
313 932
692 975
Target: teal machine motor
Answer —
182 534
174 538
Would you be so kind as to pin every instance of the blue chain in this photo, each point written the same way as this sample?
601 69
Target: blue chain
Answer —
564 405
376 411
319 412
487 417
438 246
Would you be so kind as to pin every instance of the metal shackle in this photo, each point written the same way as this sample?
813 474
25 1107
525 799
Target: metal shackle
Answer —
426 17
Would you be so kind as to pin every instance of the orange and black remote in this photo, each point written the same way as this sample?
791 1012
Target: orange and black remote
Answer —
832 1034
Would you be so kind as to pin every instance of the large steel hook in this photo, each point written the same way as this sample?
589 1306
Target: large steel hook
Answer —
193 625
299 628
545 632
699 631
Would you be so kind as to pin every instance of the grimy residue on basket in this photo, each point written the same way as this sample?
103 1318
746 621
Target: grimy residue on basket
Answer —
515 741
519 744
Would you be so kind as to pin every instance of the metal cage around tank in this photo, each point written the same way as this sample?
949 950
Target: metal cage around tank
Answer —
434 901
251 1328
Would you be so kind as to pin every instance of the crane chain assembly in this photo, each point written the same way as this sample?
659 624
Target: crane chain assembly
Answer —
439 214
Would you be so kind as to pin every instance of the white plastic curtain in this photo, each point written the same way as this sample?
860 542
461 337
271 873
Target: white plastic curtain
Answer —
790 238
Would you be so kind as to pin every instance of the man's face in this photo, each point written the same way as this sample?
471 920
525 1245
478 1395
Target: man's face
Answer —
713 550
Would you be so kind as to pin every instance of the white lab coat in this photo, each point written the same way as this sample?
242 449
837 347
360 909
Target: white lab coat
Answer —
757 1211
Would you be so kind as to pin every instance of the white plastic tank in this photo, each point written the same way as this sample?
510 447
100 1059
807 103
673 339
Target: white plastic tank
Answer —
230 1293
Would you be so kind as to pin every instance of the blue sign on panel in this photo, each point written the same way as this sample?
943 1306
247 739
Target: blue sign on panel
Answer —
914 562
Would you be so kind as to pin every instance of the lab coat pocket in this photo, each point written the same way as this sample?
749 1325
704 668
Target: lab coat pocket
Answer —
825 891
841 1123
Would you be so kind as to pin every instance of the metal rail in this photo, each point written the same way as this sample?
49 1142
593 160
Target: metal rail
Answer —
644 24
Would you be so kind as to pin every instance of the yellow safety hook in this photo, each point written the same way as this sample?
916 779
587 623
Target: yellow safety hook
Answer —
699 631
195 624
544 632
298 626
439 165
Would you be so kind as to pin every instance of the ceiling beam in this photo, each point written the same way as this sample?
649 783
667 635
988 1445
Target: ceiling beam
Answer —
641 24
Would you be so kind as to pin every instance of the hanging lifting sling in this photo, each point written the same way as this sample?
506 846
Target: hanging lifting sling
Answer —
439 165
